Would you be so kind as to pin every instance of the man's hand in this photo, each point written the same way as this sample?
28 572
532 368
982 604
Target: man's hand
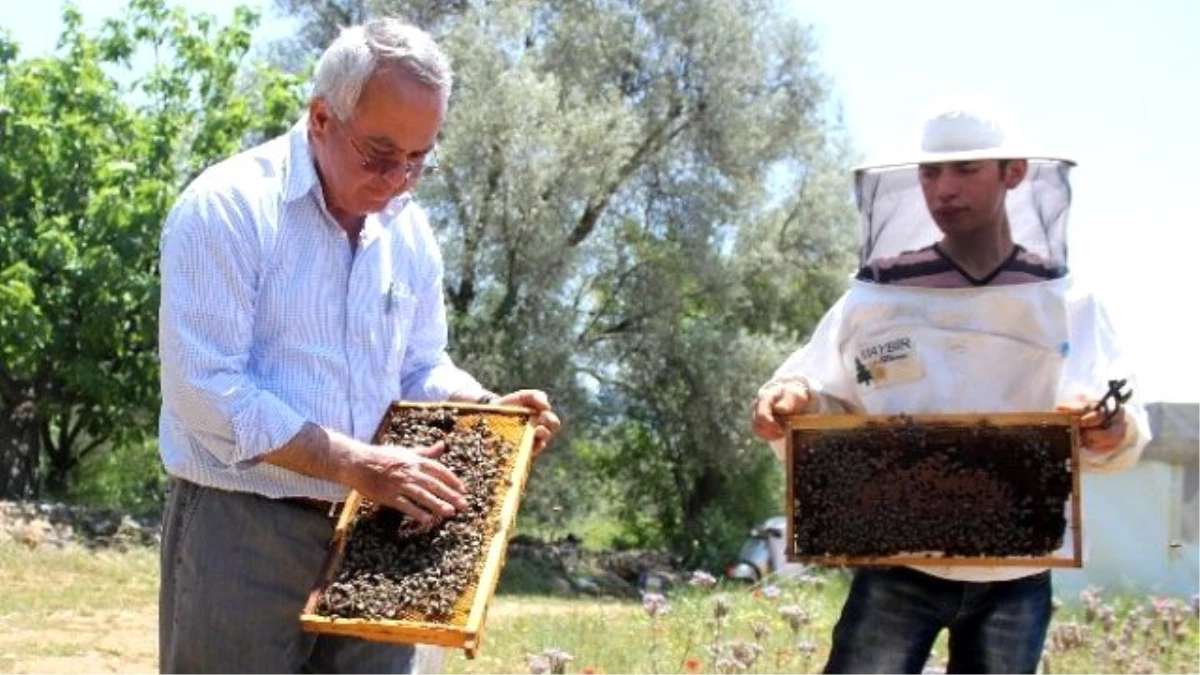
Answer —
773 405
410 480
546 423
1092 435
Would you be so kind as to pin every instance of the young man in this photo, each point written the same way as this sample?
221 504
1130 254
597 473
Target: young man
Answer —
964 278
301 294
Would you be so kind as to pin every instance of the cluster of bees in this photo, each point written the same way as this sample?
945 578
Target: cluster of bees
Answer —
394 570
977 490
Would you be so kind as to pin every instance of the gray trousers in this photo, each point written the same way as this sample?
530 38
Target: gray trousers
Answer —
237 569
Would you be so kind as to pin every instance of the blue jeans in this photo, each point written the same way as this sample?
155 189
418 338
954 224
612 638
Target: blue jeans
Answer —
893 615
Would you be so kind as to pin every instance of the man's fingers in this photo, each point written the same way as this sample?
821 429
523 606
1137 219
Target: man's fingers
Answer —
541 436
533 399
764 406
428 496
444 488
550 422
766 430
407 507
763 422
437 472
432 451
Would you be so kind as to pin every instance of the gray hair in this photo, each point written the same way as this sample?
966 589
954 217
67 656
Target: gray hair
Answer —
359 51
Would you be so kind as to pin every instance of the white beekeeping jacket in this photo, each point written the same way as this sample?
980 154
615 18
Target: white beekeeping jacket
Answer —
887 350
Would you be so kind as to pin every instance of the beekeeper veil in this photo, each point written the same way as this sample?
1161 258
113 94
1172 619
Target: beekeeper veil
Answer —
891 205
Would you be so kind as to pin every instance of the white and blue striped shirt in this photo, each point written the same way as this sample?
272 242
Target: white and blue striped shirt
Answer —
269 318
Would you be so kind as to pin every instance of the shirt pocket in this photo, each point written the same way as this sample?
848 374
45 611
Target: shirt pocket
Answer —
396 318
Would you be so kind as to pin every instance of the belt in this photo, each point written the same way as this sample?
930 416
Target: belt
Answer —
327 507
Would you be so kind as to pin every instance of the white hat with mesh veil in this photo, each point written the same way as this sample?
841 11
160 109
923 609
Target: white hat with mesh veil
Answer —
892 211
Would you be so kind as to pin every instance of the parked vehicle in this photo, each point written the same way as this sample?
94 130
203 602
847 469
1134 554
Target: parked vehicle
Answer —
764 554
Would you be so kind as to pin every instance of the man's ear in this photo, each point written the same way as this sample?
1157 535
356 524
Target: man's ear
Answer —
318 117
1014 172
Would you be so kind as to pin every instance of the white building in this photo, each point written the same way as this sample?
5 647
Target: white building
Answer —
1140 526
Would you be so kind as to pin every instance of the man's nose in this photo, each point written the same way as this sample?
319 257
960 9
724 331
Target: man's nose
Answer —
401 174
946 187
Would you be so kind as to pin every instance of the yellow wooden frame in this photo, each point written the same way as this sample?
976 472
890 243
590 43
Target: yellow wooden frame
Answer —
465 629
826 422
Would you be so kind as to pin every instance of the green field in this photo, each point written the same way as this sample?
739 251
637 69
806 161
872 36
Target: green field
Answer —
74 611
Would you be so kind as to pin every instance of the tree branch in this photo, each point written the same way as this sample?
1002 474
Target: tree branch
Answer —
656 141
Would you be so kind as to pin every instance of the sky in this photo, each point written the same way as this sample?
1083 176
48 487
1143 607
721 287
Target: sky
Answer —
1113 84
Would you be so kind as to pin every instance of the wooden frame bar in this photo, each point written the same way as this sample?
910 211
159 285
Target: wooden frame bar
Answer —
465 629
842 422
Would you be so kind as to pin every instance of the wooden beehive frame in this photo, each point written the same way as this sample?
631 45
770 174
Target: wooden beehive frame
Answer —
829 422
466 637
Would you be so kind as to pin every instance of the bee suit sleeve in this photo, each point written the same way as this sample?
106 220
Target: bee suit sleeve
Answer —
1095 358
819 367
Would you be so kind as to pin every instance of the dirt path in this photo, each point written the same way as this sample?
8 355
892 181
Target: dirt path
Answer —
126 641
101 642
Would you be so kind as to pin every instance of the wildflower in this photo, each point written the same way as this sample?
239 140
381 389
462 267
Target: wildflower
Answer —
806 647
795 616
770 592
1108 618
1143 666
760 629
589 670
551 661
725 665
692 665
720 607
655 605
744 653
1068 636
1161 605
1127 630
539 665
702 579
1091 603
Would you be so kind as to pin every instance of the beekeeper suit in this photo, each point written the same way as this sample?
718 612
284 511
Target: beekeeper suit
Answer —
963 304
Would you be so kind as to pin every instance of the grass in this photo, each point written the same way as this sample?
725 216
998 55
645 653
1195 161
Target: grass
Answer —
73 610
80 581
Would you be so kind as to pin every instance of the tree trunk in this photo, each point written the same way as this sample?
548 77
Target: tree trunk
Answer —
19 450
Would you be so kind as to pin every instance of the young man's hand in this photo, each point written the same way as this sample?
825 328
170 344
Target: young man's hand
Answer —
773 405
1093 435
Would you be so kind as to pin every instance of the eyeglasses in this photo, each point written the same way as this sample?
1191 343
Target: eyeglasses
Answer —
422 166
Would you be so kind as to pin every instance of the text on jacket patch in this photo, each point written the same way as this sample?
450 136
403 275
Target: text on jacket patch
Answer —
892 350
886 363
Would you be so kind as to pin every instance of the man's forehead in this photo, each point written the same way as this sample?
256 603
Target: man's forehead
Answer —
958 164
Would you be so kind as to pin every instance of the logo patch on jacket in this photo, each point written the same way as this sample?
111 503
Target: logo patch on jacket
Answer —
889 362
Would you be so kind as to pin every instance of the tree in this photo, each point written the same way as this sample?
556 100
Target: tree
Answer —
97 141
611 233
319 25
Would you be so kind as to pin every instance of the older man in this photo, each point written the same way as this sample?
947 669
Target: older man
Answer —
301 293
